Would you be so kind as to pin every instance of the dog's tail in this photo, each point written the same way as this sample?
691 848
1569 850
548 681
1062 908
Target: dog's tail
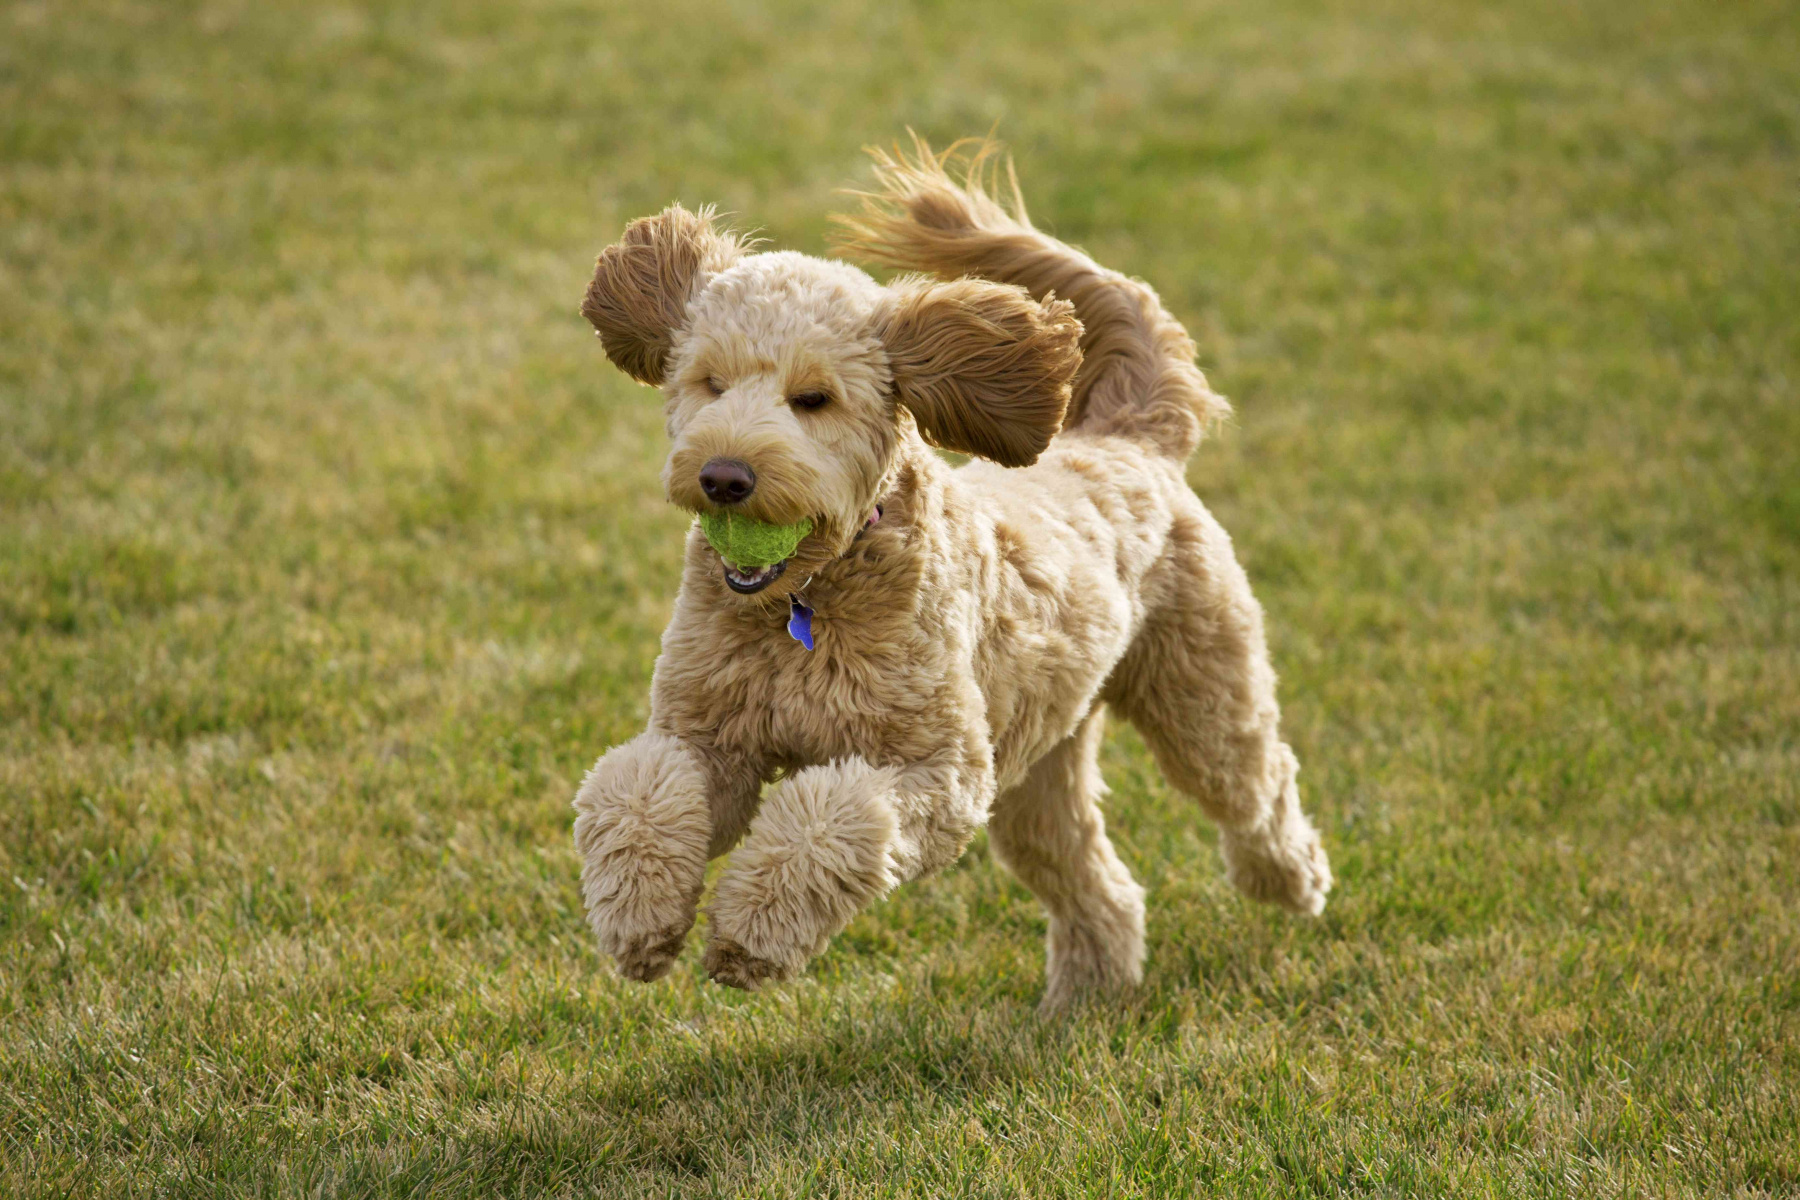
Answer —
1137 380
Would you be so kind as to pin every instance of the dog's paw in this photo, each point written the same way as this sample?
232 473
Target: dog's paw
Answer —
820 849
642 829
1098 958
648 957
1288 869
732 965
1062 1001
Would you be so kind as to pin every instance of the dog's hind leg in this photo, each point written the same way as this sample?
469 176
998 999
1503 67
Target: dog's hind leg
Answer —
1048 830
1198 686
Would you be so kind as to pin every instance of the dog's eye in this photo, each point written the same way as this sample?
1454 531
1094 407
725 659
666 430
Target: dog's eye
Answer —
810 400
715 385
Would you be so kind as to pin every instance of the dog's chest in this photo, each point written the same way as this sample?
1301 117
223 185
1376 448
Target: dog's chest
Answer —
761 693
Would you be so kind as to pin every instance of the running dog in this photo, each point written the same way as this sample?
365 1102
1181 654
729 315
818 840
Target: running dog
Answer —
938 650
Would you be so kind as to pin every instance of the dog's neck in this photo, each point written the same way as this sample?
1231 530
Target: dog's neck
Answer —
914 474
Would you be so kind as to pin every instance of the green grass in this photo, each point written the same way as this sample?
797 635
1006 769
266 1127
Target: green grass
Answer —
332 552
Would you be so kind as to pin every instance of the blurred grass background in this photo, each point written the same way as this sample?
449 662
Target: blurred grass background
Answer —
332 552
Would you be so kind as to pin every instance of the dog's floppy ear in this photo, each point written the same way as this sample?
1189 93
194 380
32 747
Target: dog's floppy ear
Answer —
644 282
982 367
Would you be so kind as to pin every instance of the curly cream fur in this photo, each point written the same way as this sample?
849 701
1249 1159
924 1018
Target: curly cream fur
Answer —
1138 377
643 830
968 643
643 285
981 367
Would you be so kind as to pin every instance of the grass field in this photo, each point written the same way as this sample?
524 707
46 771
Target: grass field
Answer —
332 552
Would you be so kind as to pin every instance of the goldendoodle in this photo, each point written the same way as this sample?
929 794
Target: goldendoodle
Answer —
926 649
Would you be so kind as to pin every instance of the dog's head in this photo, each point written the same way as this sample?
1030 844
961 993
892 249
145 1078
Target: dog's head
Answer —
789 380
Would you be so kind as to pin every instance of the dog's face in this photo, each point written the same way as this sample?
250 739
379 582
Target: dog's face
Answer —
788 378
778 387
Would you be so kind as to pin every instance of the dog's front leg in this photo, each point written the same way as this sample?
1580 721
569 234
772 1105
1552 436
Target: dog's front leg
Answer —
648 816
826 842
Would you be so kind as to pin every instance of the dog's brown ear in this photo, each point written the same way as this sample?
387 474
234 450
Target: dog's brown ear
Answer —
643 284
982 367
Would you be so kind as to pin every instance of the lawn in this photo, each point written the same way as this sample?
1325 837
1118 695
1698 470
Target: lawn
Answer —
332 552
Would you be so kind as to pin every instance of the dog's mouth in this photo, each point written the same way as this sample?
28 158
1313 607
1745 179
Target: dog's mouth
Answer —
749 582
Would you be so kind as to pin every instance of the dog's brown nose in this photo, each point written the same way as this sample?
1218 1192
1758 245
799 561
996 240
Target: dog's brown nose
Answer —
727 481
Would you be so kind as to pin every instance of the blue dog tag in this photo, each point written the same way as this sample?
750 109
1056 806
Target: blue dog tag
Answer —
800 622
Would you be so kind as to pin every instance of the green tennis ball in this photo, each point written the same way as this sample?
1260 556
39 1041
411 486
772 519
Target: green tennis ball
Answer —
749 544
